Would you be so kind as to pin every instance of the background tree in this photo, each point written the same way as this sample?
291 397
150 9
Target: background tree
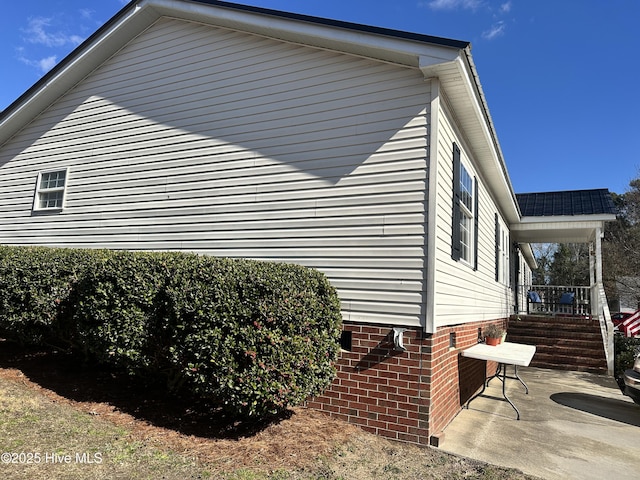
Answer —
621 248
543 253
570 265
561 264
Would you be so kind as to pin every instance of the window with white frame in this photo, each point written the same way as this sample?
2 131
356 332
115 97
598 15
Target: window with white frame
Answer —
464 235
50 190
466 214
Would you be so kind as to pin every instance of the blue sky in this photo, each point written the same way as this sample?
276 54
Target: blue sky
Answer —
560 76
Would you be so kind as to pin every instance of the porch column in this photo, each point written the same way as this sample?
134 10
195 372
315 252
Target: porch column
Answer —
592 263
595 307
598 255
595 271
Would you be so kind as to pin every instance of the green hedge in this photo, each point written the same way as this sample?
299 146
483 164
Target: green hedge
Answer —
35 284
625 352
257 336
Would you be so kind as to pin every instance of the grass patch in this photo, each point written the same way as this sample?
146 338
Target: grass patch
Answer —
53 440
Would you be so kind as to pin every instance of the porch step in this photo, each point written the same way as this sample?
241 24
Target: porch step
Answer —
562 343
565 362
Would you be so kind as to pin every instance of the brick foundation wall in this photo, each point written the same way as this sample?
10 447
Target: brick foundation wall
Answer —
455 378
407 396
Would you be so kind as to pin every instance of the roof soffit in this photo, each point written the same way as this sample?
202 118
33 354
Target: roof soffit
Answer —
561 229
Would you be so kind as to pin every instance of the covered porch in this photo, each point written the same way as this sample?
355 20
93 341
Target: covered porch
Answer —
566 217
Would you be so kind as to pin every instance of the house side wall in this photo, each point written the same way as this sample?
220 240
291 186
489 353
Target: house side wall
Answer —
219 142
408 396
464 293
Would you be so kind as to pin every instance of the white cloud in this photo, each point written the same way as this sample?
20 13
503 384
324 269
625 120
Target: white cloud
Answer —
496 30
453 4
38 32
86 13
47 39
44 64
499 12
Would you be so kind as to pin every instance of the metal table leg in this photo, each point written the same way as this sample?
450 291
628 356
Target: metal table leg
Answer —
526 389
501 374
504 393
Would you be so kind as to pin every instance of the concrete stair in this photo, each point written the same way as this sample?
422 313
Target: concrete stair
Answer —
562 342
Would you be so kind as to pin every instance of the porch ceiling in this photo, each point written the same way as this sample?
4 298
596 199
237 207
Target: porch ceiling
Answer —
560 229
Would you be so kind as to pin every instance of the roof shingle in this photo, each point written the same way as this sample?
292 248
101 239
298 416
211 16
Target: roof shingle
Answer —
576 202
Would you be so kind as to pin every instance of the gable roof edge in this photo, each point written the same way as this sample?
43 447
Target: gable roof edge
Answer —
377 43
419 37
89 55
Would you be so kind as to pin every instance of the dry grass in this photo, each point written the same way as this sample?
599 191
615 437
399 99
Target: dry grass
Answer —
52 406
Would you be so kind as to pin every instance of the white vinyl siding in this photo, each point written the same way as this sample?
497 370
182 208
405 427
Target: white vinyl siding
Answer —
464 294
219 142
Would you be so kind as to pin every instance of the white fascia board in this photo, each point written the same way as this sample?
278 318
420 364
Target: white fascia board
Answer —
544 226
357 42
569 219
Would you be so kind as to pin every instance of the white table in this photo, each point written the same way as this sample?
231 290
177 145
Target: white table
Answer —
507 353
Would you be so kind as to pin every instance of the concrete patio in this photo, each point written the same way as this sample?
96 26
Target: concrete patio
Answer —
573 425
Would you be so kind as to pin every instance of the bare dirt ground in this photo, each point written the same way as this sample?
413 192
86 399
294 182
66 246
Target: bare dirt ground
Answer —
298 445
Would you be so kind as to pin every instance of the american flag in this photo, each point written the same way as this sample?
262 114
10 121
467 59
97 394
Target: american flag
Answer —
631 326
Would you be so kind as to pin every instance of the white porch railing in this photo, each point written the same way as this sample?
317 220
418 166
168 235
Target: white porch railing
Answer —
550 300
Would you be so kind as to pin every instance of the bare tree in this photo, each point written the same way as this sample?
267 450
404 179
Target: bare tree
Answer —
621 249
543 253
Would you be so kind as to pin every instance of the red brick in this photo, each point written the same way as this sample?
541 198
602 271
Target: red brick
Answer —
388 434
377 424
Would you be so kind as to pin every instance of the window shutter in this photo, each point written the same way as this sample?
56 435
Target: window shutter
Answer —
455 221
476 195
497 248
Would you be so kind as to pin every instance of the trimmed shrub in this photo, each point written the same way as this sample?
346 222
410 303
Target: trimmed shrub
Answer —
35 283
256 336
